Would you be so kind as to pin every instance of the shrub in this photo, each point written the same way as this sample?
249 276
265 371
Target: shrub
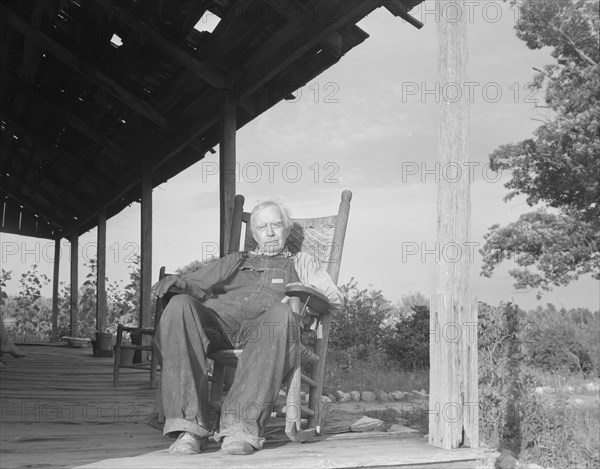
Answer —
360 328
409 343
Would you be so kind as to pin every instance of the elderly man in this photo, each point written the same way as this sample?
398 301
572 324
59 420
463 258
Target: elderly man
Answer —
234 302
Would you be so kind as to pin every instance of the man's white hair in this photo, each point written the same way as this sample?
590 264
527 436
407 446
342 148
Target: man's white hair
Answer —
285 214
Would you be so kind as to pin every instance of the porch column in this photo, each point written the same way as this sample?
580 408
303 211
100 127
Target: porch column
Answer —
146 249
101 272
227 129
453 396
55 283
74 327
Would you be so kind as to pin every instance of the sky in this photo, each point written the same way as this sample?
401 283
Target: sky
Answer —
368 124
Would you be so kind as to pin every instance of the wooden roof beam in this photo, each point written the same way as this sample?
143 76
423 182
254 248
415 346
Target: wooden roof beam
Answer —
398 8
74 121
45 143
87 71
274 57
34 207
42 16
157 37
346 11
78 196
332 42
307 38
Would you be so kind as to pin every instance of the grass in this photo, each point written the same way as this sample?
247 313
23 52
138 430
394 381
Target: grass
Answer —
558 428
561 425
374 374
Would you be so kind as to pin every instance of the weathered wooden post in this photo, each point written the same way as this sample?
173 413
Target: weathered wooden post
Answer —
101 272
55 283
146 248
74 317
227 157
453 397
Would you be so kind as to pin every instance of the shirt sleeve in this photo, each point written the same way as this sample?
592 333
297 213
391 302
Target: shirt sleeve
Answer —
199 282
312 273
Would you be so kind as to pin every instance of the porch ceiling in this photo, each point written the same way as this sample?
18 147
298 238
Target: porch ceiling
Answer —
91 91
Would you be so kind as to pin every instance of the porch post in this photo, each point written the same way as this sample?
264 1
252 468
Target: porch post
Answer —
453 397
101 272
74 327
55 283
227 130
146 248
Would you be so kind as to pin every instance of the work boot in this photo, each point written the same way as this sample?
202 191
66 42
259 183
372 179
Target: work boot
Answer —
186 443
231 446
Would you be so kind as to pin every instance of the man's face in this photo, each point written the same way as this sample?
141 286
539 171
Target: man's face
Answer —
270 232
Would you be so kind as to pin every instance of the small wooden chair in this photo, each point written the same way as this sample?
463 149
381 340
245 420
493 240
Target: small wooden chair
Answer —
147 348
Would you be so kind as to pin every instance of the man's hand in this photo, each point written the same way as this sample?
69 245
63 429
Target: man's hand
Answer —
162 286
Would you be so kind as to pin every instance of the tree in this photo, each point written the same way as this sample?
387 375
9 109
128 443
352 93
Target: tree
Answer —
30 311
404 308
561 340
558 167
87 301
409 344
4 277
359 329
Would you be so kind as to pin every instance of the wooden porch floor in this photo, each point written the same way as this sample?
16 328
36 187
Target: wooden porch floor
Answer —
58 408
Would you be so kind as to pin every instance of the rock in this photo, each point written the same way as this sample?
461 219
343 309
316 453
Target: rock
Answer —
591 387
355 396
368 396
331 397
401 428
343 396
507 461
365 424
383 396
530 465
397 395
421 393
569 389
326 399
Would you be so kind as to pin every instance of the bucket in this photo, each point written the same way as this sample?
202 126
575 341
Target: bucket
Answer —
104 341
127 356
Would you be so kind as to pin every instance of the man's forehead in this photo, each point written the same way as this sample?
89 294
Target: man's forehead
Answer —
271 212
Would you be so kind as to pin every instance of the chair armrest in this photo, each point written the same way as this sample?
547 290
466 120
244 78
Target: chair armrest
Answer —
145 330
317 302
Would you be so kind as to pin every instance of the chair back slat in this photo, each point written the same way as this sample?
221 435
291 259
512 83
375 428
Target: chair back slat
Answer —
321 237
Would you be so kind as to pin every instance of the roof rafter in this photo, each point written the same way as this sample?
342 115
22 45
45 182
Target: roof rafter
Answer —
273 57
158 38
398 8
94 75
34 207
82 200
77 123
263 72
45 143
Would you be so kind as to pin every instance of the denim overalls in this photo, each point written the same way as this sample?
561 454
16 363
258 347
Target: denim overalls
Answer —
258 283
243 311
